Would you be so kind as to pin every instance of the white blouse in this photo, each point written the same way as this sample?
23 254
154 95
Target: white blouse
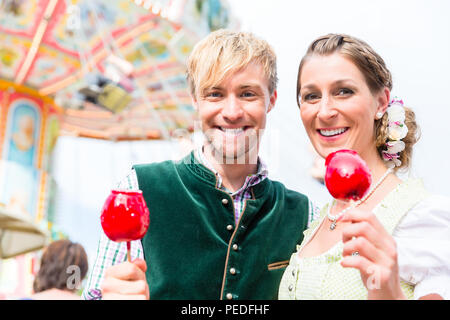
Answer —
423 247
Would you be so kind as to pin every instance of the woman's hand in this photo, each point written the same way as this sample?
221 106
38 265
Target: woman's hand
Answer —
369 248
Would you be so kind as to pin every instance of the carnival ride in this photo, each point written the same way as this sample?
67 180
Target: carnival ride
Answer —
103 69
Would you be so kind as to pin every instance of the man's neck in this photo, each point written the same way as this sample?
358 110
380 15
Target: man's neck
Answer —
233 172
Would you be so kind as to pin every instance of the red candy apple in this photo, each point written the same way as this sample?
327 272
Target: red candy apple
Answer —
347 176
125 216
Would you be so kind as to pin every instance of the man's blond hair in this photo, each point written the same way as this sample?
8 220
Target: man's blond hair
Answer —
224 52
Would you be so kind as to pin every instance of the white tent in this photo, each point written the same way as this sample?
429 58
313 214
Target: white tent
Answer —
19 234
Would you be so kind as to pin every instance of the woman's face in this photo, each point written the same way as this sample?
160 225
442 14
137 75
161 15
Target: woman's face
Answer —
337 107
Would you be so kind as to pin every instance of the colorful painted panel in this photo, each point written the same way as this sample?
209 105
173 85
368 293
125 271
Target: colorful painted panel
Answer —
13 49
23 132
83 24
19 188
21 17
51 65
29 127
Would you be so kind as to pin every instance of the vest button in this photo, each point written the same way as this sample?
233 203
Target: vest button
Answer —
290 287
229 227
232 270
229 296
224 201
235 247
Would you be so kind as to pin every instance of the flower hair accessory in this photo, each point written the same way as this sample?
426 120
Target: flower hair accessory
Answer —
397 130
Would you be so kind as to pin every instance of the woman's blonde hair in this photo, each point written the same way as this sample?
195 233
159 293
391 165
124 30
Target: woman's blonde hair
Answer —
377 77
223 52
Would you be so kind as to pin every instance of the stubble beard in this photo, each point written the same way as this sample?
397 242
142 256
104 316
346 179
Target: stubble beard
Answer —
229 150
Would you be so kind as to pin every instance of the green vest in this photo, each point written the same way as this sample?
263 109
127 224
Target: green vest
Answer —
194 249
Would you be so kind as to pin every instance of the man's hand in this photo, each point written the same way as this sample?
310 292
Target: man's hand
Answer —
126 281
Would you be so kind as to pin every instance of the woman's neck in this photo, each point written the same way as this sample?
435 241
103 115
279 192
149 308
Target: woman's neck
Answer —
376 165
377 169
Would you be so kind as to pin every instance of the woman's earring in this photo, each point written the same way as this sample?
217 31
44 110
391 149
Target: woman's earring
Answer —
379 115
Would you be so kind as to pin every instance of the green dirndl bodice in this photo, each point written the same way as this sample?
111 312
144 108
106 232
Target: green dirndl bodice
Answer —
323 277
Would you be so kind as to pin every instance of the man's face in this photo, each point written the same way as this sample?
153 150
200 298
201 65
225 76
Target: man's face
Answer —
233 113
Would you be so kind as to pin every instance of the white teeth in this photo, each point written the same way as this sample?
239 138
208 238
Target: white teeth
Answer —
235 131
329 133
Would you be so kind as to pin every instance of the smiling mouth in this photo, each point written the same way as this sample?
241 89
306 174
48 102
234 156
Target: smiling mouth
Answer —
332 132
233 131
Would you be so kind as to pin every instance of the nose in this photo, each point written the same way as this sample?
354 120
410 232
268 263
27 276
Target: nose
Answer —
232 109
327 109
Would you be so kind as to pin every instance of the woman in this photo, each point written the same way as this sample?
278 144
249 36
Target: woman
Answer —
64 264
394 244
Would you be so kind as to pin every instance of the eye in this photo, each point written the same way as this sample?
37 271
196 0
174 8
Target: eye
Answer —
344 92
310 97
213 94
247 94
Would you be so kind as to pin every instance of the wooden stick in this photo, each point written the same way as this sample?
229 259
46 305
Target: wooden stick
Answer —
129 251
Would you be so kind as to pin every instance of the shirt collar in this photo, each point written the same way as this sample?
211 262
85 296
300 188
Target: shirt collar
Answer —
251 180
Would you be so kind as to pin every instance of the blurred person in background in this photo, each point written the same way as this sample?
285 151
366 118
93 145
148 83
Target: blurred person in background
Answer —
64 265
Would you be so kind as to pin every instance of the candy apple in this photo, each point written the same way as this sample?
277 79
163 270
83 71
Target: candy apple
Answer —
125 216
347 176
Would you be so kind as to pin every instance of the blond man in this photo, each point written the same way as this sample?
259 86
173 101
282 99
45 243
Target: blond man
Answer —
220 228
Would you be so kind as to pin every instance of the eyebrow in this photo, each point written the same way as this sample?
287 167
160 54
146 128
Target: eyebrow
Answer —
256 88
250 85
337 82
243 86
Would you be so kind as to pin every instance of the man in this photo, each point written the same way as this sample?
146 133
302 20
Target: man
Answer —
220 229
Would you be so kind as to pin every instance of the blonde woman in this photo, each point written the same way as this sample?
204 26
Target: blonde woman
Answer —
393 245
